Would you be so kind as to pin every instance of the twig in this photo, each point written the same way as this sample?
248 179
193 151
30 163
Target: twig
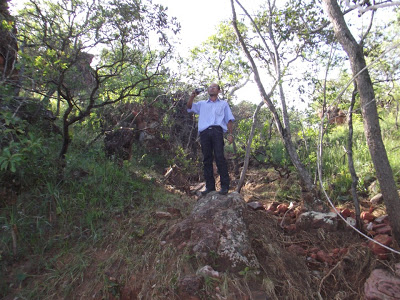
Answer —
326 276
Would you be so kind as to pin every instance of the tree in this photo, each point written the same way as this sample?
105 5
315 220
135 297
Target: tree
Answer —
283 36
8 48
219 59
372 130
93 53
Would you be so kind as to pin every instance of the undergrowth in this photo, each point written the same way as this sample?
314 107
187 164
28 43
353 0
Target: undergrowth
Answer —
57 222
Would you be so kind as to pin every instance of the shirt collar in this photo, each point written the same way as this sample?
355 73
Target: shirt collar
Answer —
209 100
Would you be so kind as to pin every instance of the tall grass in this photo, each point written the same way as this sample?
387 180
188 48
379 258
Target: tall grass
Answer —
77 211
335 162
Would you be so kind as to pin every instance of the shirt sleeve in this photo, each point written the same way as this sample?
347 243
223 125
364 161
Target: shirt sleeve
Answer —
228 114
195 108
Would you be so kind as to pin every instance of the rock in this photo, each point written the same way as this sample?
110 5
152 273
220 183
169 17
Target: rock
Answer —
190 287
256 205
272 206
384 230
382 284
281 208
373 188
346 213
118 143
215 231
351 221
296 249
207 271
377 226
314 220
370 226
175 212
163 215
377 199
382 219
323 257
378 250
367 216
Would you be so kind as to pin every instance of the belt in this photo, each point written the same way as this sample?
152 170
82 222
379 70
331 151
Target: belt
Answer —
214 127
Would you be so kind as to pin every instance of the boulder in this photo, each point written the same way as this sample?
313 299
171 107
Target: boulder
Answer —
118 143
215 232
382 284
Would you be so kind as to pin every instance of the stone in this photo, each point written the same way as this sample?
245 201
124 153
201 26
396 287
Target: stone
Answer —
383 230
377 199
207 271
351 221
382 219
256 205
346 213
373 188
324 257
382 284
216 233
315 220
296 249
175 212
190 287
367 216
163 215
272 206
118 143
281 208
377 249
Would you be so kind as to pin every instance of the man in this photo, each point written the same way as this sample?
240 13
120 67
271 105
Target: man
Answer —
215 118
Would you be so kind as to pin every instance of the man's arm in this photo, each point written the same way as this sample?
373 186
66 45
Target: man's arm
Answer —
190 101
230 131
230 127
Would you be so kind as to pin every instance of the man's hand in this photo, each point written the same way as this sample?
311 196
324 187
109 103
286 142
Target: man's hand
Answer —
191 98
230 138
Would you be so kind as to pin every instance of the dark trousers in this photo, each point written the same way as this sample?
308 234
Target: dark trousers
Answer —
212 146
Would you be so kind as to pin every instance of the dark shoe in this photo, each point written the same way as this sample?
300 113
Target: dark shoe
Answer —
223 191
206 191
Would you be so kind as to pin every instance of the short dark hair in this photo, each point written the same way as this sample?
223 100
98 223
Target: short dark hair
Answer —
219 88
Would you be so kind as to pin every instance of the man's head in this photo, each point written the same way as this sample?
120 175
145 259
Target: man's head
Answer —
213 89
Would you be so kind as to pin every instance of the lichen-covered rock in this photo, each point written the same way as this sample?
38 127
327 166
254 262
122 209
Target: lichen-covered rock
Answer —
216 232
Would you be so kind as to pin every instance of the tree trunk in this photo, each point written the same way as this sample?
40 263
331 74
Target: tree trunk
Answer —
313 202
370 114
248 148
354 178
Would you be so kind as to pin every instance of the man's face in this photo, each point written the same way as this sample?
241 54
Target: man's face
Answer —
213 89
